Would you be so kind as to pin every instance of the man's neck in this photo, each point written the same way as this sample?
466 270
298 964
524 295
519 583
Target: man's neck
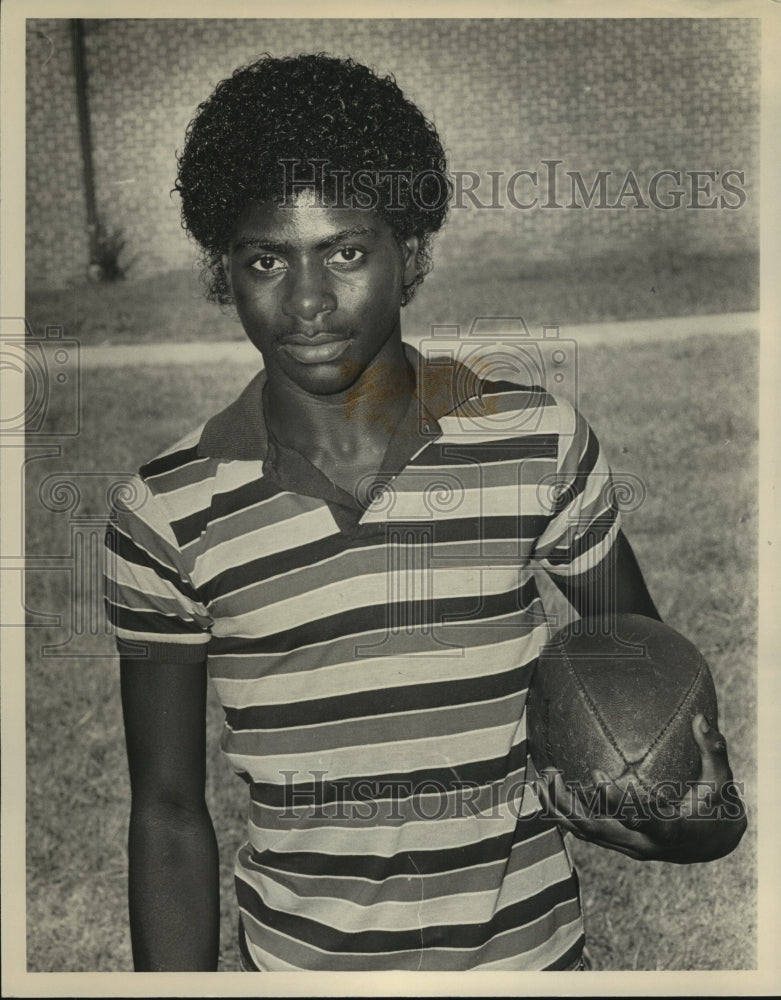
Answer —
349 425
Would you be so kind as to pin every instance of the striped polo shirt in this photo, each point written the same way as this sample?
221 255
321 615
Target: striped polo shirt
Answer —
373 661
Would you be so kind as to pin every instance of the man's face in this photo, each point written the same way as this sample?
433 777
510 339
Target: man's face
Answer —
318 290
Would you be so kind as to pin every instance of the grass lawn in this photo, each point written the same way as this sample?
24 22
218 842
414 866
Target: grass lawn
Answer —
682 417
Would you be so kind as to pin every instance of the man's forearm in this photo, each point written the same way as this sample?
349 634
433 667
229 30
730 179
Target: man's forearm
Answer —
173 889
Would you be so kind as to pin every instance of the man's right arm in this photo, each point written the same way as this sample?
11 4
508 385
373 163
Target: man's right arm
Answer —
173 855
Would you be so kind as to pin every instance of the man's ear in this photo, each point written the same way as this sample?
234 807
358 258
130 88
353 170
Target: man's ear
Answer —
226 266
410 247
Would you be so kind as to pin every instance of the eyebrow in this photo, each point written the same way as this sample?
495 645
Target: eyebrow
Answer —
273 246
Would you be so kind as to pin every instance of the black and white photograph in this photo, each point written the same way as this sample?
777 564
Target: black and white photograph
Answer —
388 431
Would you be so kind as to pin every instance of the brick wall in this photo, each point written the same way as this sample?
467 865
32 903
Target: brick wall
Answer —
619 95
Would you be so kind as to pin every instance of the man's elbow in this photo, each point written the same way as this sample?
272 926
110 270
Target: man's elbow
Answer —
156 815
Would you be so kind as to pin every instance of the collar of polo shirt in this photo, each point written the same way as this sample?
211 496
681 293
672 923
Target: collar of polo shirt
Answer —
239 431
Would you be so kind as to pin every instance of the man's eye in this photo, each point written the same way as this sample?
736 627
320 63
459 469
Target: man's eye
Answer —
267 262
347 255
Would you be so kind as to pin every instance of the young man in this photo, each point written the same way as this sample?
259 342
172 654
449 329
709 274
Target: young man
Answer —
365 553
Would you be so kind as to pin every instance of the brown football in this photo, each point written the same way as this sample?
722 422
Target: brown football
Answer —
622 702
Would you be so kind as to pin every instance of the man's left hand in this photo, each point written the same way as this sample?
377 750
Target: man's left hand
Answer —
706 824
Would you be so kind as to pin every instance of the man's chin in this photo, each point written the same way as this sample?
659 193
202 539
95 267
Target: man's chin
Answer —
324 380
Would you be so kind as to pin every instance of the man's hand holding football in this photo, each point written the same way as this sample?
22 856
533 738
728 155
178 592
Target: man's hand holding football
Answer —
705 824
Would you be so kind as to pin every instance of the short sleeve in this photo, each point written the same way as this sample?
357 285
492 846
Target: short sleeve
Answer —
150 600
584 520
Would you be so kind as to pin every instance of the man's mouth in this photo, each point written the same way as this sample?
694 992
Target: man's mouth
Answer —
315 349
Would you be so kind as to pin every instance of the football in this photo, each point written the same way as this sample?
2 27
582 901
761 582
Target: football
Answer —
621 702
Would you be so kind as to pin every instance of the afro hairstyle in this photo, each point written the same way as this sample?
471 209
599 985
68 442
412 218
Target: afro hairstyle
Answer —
334 118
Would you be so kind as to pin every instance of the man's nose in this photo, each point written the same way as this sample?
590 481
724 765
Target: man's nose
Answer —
308 293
